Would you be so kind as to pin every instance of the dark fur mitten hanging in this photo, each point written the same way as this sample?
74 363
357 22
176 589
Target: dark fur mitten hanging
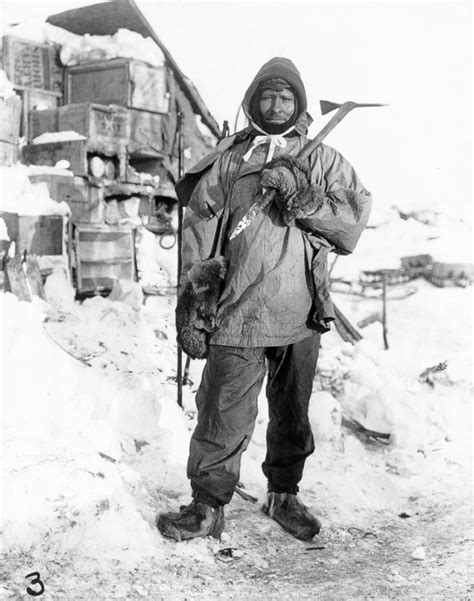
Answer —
197 306
297 197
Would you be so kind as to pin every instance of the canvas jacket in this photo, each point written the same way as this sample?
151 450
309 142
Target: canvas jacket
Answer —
276 289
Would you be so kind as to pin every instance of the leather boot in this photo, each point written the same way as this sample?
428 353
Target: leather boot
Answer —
292 515
195 520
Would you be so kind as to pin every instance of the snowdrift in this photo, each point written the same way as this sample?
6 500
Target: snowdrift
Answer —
95 444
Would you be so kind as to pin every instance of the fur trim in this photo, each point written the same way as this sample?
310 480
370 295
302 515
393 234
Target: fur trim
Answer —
306 198
197 306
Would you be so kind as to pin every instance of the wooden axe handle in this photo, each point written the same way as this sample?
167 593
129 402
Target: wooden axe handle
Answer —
330 125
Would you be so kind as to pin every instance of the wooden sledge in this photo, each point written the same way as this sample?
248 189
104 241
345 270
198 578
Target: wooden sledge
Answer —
346 330
23 277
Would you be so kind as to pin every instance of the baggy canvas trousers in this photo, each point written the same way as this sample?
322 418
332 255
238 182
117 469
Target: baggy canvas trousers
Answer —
227 410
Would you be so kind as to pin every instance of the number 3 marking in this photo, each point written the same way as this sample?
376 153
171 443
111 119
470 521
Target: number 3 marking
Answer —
36 580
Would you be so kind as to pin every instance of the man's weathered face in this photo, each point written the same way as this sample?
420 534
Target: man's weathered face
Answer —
277 106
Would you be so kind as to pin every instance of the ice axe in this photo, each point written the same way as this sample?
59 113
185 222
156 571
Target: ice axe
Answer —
268 195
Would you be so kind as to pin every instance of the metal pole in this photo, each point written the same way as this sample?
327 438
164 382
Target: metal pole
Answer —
384 311
179 365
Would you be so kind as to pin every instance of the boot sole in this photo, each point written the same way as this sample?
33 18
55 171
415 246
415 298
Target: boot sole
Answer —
306 534
169 529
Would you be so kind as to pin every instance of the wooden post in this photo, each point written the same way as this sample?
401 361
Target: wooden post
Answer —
384 311
332 266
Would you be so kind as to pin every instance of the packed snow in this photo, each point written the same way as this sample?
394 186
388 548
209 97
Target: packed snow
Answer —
6 87
19 195
58 136
95 445
76 49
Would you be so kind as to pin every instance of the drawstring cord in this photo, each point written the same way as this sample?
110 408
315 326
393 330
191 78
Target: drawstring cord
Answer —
275 141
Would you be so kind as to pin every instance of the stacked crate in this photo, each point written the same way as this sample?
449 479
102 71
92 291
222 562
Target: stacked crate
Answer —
104 253
105 130
142 92
120 109
35 72
132 84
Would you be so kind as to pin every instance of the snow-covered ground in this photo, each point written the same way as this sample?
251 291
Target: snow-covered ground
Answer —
94 444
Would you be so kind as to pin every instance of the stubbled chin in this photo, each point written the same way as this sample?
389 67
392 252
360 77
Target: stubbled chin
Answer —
275 127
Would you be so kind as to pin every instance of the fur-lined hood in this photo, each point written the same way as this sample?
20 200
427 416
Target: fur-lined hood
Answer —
278 68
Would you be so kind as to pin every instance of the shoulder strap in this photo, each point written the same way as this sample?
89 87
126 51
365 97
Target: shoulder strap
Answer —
218 246
185 186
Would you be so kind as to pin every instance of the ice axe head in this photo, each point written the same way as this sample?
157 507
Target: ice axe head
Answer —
327 106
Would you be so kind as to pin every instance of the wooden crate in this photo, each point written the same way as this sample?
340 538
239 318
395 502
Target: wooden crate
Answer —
107 128
122 81
103 253
146 135
34 101
77 152
451 274
74 151
85 200
36 234
29 64
10 109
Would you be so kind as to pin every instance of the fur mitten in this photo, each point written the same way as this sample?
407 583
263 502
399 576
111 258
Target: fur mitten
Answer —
296 196
197 306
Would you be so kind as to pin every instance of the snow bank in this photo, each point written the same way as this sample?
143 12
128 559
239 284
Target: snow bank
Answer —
58 136
77 49
157 266
3 230
21 196
446 239
123 44
6 87
95 444
67 428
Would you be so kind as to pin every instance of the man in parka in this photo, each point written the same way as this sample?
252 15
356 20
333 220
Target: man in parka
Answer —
258 303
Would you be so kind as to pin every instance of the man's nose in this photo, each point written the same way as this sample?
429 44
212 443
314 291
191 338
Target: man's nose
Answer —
277 104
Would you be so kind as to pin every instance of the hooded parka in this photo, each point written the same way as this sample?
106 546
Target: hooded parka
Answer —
275 292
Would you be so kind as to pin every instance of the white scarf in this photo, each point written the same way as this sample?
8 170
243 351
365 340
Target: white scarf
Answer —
274 139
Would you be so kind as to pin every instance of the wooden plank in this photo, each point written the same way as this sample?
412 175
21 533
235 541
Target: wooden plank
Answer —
107 270
33 277
10 109
74 151
15 279
113 261
346 330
